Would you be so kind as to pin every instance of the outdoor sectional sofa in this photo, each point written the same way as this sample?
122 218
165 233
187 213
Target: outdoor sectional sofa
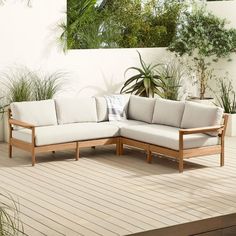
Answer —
171 128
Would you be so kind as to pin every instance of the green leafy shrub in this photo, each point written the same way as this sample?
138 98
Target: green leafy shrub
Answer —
81 30
204 38
120 23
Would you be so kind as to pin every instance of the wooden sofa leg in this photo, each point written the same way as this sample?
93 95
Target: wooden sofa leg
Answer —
10 135
222 159
10 150
33 147
149 156
77 152
181 164
181 153
222 153
118 147
33 157
121 147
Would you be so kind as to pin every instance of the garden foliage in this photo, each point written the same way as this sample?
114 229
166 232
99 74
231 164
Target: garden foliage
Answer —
120 23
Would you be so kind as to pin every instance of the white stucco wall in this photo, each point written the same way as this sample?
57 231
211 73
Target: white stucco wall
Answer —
225 9
29 37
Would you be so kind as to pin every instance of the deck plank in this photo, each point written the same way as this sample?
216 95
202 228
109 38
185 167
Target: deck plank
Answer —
105 194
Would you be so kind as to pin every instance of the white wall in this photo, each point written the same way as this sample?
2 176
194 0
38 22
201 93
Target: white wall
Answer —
225 9
29 37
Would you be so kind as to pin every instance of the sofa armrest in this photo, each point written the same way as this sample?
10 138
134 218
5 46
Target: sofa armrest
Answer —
21 124
218 128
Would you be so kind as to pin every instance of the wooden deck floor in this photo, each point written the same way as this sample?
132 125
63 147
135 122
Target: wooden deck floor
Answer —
103 194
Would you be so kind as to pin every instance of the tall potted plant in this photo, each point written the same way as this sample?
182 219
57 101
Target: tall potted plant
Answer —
227 100
204 38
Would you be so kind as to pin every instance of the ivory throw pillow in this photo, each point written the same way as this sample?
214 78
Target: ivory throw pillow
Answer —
116 107
102 108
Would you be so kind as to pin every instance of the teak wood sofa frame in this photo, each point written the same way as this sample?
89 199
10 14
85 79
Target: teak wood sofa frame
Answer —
179 155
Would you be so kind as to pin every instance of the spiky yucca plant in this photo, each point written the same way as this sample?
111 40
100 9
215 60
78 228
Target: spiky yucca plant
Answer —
145 83
163 79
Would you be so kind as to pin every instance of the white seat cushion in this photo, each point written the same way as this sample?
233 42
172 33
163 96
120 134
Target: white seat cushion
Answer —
73 110
38 113
166 136
141 108
125 123
67 133
198 115
168 112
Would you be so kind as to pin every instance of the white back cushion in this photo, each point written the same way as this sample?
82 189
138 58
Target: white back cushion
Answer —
168 112
38 113
102 110
75 110
198 115
141 108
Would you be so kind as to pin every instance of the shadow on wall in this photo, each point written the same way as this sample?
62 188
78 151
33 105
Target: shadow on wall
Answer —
109 86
